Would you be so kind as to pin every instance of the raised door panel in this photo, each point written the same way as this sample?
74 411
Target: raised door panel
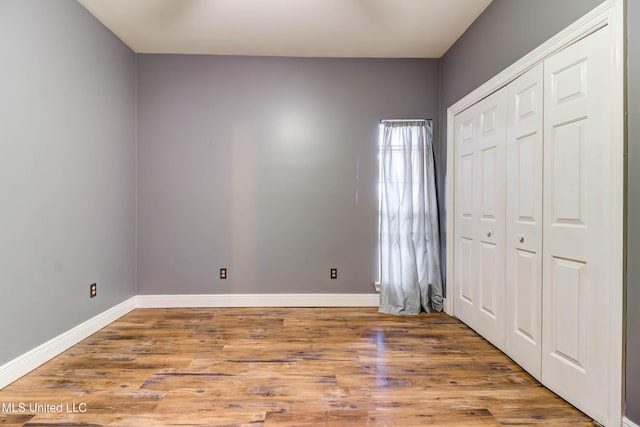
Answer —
465 276
524 220
567 291
576 270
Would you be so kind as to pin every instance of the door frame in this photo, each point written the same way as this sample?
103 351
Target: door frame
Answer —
610 13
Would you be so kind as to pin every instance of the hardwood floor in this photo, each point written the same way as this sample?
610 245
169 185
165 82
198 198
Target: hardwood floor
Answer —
283 367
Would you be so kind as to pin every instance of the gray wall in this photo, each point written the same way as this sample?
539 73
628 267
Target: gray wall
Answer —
633 213
67 170
266 166
506 31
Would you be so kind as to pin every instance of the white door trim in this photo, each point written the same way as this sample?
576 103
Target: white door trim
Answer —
609 13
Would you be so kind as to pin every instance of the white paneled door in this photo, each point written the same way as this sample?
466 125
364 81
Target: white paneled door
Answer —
576 265
480 212
524 220
490 182
466 214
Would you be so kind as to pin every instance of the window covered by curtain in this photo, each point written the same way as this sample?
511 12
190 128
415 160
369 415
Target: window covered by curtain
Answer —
410 278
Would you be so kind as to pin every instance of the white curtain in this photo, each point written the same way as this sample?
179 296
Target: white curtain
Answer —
410 279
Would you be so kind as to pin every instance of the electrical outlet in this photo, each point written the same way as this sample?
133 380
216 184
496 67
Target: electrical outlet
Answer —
334 273
223 273
93 290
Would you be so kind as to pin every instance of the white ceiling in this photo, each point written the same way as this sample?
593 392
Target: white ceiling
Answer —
315 28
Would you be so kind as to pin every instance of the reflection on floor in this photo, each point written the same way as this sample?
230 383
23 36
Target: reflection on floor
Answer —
282 367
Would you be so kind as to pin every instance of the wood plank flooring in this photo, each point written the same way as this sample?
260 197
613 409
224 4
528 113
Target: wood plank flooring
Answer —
283 367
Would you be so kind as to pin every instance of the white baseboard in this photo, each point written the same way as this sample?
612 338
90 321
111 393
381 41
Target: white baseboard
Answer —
259 300
626 422
21 365
447 306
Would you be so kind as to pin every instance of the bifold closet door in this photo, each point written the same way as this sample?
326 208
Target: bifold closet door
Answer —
523 242
466 216
480 212
576 266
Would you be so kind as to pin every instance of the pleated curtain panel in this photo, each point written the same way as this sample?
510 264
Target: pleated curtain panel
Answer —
410 280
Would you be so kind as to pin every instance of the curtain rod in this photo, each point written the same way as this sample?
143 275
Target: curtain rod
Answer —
405 120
